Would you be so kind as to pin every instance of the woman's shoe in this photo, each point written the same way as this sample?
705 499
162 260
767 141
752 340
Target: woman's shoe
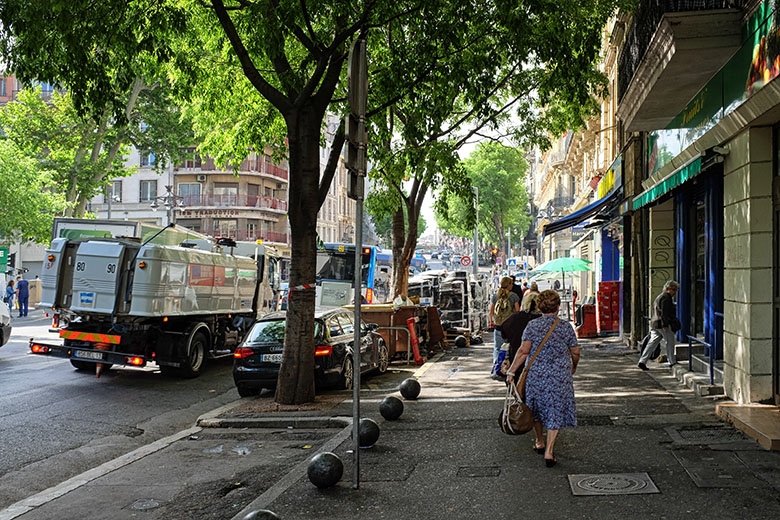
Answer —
550 462
537 449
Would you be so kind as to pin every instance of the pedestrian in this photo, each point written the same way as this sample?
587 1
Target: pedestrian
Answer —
530 298
512 331
526 288
516 288
23 294
503 303
549 386
663 325
9 294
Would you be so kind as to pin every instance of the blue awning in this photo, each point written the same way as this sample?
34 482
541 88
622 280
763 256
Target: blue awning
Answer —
581 215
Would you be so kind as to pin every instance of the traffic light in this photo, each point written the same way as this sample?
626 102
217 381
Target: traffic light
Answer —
493 254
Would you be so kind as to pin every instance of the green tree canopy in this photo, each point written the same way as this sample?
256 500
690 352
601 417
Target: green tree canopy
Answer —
499 173
27 196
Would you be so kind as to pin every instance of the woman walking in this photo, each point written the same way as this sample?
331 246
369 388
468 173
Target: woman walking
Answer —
10 292
549 387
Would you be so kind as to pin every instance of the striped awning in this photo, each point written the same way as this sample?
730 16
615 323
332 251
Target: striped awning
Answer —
686 172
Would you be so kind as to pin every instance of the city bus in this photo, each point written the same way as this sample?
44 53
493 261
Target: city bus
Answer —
336 273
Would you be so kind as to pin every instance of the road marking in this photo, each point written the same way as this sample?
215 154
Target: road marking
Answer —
423 369
294 475
55 492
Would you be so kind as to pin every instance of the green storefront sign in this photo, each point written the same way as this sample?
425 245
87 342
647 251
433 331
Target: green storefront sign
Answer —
755 64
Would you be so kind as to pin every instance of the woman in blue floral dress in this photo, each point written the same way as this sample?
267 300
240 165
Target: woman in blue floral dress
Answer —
549 386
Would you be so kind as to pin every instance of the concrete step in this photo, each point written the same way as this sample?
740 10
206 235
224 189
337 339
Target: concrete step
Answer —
701 364
759 421
700 384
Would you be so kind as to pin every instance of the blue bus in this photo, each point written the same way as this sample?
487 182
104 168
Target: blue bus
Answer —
336 263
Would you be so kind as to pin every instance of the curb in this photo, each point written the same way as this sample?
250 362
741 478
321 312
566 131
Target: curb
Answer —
275 422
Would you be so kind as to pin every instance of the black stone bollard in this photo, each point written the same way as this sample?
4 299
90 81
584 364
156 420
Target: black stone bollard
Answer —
325 469
410 388
391 408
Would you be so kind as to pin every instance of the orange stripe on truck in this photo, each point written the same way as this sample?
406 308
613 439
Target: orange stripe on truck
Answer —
90 336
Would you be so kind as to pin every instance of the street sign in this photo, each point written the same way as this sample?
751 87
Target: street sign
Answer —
512 262
498 260
3 259
465 261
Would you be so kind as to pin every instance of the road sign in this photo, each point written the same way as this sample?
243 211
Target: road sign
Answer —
512 262
465 261
498 260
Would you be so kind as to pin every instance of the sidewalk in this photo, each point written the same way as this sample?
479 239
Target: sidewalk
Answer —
445 458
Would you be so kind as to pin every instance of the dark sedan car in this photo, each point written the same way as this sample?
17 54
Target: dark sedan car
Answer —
256 361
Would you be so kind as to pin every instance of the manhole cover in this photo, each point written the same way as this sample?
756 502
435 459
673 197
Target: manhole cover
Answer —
612 484
145 504
693 435
478 471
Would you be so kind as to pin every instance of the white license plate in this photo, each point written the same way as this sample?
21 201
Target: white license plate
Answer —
271 358
89 355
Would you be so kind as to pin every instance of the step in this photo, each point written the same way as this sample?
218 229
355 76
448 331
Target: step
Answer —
701 365
700 384
759 421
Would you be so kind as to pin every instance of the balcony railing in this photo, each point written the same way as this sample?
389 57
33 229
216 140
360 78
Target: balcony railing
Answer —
266 236
233 200
262 165
646 20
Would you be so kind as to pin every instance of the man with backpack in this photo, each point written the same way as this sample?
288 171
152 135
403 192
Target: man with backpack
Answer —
502 305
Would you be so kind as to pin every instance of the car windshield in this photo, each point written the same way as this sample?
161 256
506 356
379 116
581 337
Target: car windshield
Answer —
267 331
272 331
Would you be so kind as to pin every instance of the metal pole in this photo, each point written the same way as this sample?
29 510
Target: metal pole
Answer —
356 341
111 196
508 245
476 232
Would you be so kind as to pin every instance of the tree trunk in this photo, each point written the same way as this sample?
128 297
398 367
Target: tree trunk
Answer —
296 375
400 270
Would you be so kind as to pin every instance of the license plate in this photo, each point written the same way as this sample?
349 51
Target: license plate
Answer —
271 358
89 355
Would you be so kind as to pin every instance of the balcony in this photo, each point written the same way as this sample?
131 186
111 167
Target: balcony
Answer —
672 49
234 200
266 236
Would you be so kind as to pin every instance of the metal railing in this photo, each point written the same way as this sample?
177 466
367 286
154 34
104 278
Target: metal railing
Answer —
234 200
266 235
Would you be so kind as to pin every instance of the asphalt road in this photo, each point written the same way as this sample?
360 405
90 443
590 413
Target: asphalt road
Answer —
56 422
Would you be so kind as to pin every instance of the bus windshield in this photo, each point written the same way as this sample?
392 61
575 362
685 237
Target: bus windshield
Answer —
340 266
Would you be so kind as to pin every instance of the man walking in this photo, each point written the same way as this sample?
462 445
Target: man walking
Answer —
23 294
661 325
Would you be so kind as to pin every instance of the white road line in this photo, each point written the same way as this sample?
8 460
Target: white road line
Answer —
54 492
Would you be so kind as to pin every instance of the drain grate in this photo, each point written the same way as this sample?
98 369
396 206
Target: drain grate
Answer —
612 484
693 435
479 471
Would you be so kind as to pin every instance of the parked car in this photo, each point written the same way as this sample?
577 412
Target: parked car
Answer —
5 323
257 360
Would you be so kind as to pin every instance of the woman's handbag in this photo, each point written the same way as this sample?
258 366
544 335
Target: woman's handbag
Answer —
516 417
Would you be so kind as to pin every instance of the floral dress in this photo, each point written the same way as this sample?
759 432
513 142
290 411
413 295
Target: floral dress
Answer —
549 386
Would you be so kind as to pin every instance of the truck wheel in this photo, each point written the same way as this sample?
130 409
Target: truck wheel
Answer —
82 365
192 363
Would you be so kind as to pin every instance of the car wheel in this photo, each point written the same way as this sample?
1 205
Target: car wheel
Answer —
384 358
347 374
247 391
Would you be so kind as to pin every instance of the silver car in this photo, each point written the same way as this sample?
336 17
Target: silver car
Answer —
5 323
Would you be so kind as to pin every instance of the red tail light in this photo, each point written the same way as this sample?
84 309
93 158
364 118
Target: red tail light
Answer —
137 361
243 352
323 350
55 321
39 349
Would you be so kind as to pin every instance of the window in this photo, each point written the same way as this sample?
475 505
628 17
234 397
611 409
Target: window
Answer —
226 228
148 191
113 192
332 324
345 320
190 191
2 87
251 229
268 192
225 193
147 159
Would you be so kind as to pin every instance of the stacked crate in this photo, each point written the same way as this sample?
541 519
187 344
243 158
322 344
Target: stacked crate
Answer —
608 306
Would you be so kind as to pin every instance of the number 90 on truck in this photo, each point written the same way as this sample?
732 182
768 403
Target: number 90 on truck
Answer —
121 302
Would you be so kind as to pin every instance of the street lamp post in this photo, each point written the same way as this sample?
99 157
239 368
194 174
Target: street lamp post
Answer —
475 261
169 201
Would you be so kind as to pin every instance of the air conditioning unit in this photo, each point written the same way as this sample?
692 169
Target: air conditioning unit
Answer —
201 178
278 185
